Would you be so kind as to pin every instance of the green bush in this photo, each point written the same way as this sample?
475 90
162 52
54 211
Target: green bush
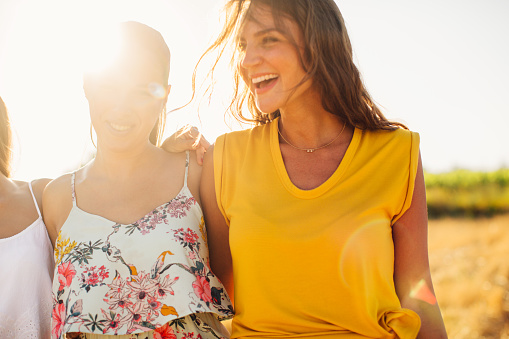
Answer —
464 193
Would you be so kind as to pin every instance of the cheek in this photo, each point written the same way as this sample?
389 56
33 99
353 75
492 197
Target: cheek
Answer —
152 112
96 109
243 75
101 102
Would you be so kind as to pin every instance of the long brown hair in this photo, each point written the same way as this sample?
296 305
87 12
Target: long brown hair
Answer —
327 59
5 141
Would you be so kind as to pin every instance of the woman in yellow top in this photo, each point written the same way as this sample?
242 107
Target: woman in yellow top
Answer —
317 216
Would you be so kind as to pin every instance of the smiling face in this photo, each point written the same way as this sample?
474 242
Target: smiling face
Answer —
127 99
125 102
270 61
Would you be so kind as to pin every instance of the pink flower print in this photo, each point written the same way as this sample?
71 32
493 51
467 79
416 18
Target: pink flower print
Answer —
117 287
164 332
180 205
66 273
156 219
93 276
114 321
140 312
144 230
154 304
202 289
164 287
142 286
103 273
190 335
117 300
150 222
58 316
190 236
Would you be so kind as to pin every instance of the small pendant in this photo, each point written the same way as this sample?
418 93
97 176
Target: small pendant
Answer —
310 150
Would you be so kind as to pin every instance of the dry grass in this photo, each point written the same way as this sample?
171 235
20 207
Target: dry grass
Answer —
469 260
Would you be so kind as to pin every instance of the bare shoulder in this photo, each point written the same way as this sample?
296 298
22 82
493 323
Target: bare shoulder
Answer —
58 187
38 187
56 204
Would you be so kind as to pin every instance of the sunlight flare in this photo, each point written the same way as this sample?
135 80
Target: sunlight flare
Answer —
102 48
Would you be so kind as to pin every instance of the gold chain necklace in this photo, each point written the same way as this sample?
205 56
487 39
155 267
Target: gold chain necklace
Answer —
311 150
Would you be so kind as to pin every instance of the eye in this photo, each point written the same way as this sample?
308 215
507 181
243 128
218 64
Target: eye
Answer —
269 39
142 94
241 46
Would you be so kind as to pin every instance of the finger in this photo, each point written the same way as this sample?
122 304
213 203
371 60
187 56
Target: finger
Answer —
204 143
185 131
200 153
178 145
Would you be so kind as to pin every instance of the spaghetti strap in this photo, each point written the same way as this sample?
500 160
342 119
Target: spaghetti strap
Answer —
35 200
187 168
73 176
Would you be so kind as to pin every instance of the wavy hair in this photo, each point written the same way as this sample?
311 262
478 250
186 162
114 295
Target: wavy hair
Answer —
5 141
327 59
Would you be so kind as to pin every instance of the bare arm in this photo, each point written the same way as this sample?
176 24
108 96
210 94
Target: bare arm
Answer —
56 205
217 228
412 275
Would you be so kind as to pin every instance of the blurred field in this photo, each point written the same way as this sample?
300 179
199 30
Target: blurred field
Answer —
464 193
469 260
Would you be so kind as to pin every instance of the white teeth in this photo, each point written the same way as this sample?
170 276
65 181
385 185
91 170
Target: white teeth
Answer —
119 128
263 78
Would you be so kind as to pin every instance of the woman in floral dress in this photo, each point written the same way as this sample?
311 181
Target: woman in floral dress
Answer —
130 244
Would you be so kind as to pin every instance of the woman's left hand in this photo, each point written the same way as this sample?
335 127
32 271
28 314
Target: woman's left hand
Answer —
187 138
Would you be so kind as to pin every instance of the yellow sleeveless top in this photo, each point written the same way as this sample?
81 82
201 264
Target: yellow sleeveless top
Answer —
316 263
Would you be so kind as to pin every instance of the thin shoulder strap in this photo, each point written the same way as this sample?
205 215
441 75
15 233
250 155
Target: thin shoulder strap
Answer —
33 197
187 169
73 176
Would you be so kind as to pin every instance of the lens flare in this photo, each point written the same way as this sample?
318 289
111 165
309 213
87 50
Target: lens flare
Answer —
156 90
422 292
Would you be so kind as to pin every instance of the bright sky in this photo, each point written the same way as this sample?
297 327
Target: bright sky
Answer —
438 66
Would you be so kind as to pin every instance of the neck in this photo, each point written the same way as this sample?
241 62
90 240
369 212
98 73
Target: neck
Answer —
309 125
6 186
119 165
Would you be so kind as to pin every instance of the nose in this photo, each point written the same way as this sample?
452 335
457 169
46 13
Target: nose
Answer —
122 102
251 57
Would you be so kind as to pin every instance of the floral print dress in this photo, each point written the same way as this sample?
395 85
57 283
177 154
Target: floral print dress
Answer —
149 276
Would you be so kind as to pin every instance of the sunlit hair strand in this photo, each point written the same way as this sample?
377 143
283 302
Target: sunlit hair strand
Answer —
327 59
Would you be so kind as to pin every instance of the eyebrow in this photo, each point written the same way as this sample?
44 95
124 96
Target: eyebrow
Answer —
264 31
268 30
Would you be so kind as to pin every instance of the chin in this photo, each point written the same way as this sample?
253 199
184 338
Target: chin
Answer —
266 108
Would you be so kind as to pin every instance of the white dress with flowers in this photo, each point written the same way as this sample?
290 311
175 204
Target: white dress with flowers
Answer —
145 277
